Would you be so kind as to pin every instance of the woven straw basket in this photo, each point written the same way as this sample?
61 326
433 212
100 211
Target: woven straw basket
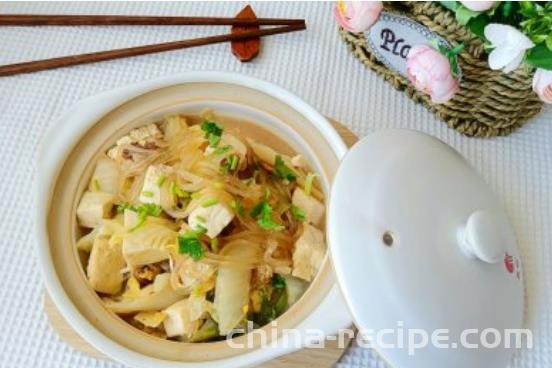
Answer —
489 103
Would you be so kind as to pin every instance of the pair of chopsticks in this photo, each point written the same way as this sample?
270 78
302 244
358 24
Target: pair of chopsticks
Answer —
284 26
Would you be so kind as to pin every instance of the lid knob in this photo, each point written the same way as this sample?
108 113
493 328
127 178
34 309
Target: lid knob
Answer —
483 236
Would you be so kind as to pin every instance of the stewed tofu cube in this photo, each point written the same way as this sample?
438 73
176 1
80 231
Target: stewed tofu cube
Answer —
93 207
142 134
214 218
105 265
308 253
155 177
313 208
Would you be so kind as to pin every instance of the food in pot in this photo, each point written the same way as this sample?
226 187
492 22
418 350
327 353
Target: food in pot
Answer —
191 229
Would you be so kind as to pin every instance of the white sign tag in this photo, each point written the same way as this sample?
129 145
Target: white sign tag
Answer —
392 36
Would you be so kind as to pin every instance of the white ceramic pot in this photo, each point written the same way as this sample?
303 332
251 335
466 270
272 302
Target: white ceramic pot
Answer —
91 126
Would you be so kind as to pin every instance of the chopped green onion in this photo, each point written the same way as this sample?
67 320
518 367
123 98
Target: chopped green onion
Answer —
140 222
229 164
308 182
237 206
147 193
144 210
222 150
282 171
297 213
214 245
124 206
210 202
200 230
234 162
177 191
97 186
195 195
213 140
201 219
150 209
160 180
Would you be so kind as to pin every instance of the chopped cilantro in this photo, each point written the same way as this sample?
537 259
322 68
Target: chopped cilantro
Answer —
297 213
271 307
256 211
191 246
189 243
282 171
262 212
278 282
213 132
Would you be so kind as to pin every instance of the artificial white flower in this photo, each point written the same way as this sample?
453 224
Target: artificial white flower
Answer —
509 46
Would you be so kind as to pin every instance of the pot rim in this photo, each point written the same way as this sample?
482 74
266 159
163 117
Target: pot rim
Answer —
61 142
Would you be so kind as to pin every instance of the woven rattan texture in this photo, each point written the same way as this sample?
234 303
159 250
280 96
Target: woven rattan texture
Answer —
489 102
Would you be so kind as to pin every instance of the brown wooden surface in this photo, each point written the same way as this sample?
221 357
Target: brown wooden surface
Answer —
126 20
318 358
38 65
246 50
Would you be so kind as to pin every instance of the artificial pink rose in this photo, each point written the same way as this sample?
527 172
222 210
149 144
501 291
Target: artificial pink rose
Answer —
357 16
478 6
542 85
430 73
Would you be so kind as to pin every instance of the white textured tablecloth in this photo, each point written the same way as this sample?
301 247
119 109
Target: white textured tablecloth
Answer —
314 64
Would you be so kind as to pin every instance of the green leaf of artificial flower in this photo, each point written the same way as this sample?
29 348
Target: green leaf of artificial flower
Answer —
464 15
549 41
451 5
540 56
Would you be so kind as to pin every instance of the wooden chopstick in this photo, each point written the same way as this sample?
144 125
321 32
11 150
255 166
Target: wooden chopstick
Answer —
124 20
34 66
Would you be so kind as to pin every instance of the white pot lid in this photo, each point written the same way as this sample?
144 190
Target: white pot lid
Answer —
419 241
